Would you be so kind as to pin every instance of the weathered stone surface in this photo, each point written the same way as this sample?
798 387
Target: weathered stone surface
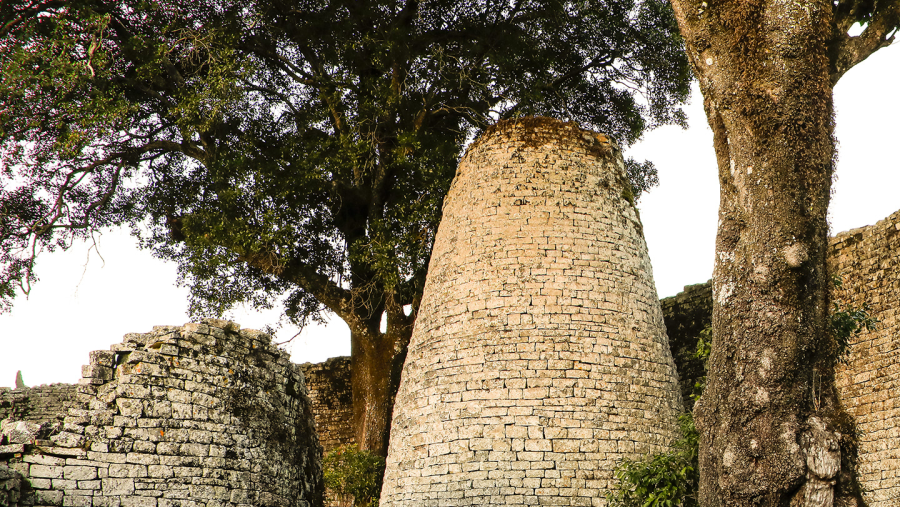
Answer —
18 432
686 315
202 415
332 400
539 357
868 261
15 490
41 404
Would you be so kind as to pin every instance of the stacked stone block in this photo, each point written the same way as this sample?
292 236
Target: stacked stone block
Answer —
539 358
868 261
41 404
201 415
686 315
332 400
14 488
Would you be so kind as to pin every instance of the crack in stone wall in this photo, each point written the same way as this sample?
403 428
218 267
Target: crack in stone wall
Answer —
196 416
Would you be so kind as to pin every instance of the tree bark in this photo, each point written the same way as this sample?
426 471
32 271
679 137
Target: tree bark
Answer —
769 420
376 360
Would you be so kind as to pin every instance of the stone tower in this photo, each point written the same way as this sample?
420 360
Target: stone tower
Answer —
539 357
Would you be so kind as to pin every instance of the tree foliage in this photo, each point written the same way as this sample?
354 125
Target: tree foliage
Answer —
300 147
353 474
662 480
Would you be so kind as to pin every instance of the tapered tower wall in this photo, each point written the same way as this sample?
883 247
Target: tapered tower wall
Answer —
539 358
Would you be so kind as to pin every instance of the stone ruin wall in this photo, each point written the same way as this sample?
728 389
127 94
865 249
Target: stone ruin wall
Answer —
686 314
332 400
868 261
539 357
37 404
196 416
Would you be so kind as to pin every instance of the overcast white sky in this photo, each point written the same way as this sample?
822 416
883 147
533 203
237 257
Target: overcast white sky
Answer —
83 303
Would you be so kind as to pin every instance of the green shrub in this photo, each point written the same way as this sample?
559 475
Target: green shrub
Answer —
664 480
353 473
847 321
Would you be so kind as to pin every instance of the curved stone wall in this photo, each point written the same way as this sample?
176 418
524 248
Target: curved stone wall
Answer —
196 416
539 357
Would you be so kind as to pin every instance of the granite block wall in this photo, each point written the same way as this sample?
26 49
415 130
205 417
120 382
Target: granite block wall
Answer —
539 357
196 416
332 400
41 404
868 261
686 315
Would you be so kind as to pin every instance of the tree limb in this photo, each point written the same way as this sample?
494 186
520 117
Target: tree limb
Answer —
848 51
329 293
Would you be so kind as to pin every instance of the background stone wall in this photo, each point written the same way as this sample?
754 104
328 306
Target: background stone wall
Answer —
868 261
46 403
332 400
539 357
200 415
686 314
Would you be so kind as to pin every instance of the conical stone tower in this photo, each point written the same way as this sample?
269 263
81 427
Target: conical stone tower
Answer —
539 358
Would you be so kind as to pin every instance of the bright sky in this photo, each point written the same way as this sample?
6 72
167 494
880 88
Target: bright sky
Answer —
83 303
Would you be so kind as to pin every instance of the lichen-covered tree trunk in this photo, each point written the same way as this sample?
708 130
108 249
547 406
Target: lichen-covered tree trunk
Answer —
769 419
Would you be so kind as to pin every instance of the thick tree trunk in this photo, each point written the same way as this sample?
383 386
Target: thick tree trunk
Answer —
769 418
376 360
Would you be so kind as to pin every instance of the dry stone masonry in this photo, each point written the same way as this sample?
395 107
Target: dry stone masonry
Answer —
332 400
868 261
196 416
686 315
41 404
539 357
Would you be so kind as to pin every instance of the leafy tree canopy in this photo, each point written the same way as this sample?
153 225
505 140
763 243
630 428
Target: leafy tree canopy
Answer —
299 147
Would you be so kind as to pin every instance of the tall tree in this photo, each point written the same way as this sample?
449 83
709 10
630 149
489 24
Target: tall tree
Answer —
298 147
772 428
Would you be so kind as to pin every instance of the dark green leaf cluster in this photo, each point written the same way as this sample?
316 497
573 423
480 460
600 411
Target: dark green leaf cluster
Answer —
642 175
350 472
847 321
663 480
704 349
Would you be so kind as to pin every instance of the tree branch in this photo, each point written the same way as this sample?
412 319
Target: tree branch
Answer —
848 51
329 293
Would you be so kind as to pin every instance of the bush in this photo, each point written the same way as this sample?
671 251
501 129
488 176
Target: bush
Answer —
353 473
663 480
